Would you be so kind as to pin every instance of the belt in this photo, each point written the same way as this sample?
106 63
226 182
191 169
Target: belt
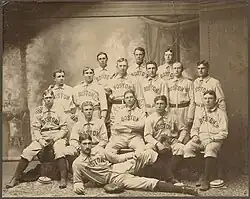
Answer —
199 105
182 105
51 129
117 101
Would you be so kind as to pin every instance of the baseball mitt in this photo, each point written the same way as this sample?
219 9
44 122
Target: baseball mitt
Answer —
114 188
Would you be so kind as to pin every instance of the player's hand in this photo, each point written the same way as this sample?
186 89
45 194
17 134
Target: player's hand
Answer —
43 142
79 188
108 91
195 139
55 138
160 146
205 142
74 117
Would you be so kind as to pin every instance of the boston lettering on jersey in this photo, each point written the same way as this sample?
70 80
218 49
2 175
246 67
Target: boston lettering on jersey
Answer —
178 88
210 120
98 161
87 93
89 132
49 119
138 73
200 89
103 76
122 85
167 74
152 88
162 126
129 118
61 95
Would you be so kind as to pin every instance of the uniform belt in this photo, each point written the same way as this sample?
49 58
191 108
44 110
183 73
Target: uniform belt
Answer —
51 129
117 101
182 105
199 105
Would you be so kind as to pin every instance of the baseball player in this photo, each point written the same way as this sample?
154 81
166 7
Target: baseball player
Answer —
127 130
89 90
90 125
209 130
120 83
204 83
162 130
64 97
181 96
99 170
152 86
138 69
165 71
102 73
49 126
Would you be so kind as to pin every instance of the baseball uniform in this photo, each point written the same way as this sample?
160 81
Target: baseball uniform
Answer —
119 85
101 171
96 128
181 98
64 98
157 126
201 85
90 92
137 71
212 129
165 72
47 125
151 88
127 130
102 76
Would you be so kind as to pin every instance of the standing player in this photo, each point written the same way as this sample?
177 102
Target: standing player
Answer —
49 126
208 133
160 127
204 83
152 86
91 91
138 70
127 130
64 97
181 96
99 170
121 83
165 71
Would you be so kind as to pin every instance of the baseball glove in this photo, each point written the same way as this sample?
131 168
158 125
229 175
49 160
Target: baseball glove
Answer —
47 153
114 188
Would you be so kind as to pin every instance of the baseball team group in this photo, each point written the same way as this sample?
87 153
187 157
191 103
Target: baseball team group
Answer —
134 127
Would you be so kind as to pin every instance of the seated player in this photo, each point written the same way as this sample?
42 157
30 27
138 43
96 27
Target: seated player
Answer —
127 130
99 170
208 132
90 125
161 127
49 126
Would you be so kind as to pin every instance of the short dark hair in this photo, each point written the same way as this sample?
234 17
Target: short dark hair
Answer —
87 68
58 71
121 60
133 93
101 53
179 63
210 92
84 136
169 49
161 97
140 49
48 91
86 103
204 62
152 62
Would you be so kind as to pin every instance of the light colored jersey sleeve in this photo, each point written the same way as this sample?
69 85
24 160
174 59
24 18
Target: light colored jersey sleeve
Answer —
74 136
139 94
148 132
102 98
195 128
78 176
63 125
191 108
220 96
37 128
103 135
223 127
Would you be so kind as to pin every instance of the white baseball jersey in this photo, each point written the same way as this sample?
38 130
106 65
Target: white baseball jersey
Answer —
90 92
96 128
48 123
153 87
213 124
156 126
64 97
139 72
102 76
201 85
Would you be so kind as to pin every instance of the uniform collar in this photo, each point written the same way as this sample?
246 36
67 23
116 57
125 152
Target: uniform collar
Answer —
45 109
84 121
121 77
102 69
86 84
175 79
153 78
212 109
131 109
143 65
59 87
204 79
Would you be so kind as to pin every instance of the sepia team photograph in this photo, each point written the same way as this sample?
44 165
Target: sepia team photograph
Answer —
125 98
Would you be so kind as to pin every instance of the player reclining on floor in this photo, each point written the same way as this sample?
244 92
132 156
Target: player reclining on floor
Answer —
98 169
127 130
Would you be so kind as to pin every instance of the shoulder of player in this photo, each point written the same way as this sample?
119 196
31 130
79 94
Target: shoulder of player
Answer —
151 117
39 110
98 121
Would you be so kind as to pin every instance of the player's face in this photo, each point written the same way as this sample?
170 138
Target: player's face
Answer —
168 56
48 100
59 78
88 111
122 67
102 59
88 75
139 56
129 100
202 70
177 69
151 70
160 106
86 146
209 101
